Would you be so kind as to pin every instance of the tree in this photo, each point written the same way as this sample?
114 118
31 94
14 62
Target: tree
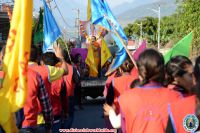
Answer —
128 30
188 20
174 27
149 29
167 29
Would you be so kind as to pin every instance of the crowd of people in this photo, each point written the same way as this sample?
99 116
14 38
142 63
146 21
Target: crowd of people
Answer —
147 98
154 97
53 85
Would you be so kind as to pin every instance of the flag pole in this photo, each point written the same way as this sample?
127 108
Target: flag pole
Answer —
117 34
65 42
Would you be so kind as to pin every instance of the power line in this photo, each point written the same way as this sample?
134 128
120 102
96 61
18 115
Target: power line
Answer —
61 15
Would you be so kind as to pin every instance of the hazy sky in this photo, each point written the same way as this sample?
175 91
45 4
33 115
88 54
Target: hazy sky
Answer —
66 7
114 3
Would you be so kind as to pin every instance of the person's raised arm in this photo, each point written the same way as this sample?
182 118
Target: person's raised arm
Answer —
59 55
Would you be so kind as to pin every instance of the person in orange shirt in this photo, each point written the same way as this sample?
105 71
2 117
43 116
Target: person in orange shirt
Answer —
108 82
124 79
59 103
179 75
78 69
48 71
37 96
181 109
120 84
145 107
72 81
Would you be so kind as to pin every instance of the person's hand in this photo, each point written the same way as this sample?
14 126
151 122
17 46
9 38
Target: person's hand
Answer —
58 51
107 109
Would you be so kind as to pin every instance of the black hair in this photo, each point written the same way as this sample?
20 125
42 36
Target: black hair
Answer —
3 49
196 88
66 56
34 53
76 58
176 67
127 66
151 67
50 58
197 77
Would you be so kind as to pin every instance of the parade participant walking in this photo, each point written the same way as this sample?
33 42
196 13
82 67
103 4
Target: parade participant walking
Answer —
144 108
119 85
77 73
124 79
48 72
37 96
109 95
179 74
59 103
72 81
182 110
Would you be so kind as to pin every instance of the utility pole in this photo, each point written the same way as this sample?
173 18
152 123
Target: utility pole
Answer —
77 22
140 25
159 27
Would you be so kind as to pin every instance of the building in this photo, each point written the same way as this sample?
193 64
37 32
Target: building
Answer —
131 45
4 25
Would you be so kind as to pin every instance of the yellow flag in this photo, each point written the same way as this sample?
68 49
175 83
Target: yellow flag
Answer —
89 15
90 61
105 52
15 64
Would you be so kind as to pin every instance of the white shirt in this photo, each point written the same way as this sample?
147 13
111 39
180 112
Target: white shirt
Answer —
115 120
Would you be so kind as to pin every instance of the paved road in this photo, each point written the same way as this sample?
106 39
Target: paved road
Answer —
92 115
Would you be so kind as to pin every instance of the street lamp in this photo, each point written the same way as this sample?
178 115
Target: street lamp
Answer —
158 12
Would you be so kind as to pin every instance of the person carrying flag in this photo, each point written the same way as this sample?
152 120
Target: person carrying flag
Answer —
48 72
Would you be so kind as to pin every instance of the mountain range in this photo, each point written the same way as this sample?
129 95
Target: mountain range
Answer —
168 7
127 12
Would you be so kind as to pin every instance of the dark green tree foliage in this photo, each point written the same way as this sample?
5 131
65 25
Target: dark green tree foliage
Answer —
167 29
174 27
188 16
149 25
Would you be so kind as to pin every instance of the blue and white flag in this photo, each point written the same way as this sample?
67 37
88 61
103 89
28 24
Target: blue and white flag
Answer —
51 29
102 15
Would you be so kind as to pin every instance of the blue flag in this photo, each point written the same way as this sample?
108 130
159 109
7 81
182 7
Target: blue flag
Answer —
51 29
121 54
102 15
